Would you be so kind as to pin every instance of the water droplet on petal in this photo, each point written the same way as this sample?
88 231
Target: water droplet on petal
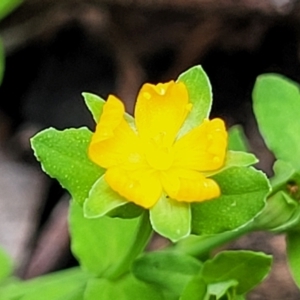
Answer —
147 95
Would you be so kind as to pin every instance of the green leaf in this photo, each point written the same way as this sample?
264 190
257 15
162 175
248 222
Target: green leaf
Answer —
95 105
236 159
2 61
107 246
6 265
280 213
220 289
201 246
237 139
286 178
101 200
62 285
170 271
239 159
63 155
293 246
171 219
126 288
7 7
200 95
196 289
246 267
277 108
127 211
243 193
283 172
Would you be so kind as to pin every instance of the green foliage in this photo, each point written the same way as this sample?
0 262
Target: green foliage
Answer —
196 289
180 275
276 103
106 246
277 107
239 159
126 288
247 268
280 213
243 193
93 208
63 285
63 155
168 271
95 105
235 159
171 218
237 140
200 95
224 288
6 265
283 173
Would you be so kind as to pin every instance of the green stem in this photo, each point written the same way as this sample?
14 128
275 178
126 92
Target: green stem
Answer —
202 246
138 244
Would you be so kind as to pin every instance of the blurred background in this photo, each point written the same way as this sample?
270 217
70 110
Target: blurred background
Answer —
55 50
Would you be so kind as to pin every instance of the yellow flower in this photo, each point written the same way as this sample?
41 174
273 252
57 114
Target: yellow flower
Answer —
147 160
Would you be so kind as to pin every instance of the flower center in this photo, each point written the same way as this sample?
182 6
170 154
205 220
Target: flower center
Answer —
158 155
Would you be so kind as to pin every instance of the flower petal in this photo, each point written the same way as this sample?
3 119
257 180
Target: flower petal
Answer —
203 148
189 186
160 111
114 143
141 187
171 219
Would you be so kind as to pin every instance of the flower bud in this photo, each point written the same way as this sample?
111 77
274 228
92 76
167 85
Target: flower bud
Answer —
280 213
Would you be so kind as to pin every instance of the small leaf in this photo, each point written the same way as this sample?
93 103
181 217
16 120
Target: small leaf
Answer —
283 172
127 211
170 271
293 246
276 104
237 140
236 159
200 95
107 246
286 178
243 193
63 155
126 288
6 265
95 105
280 213
220 289
171 219
240 159
101 200
246 267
